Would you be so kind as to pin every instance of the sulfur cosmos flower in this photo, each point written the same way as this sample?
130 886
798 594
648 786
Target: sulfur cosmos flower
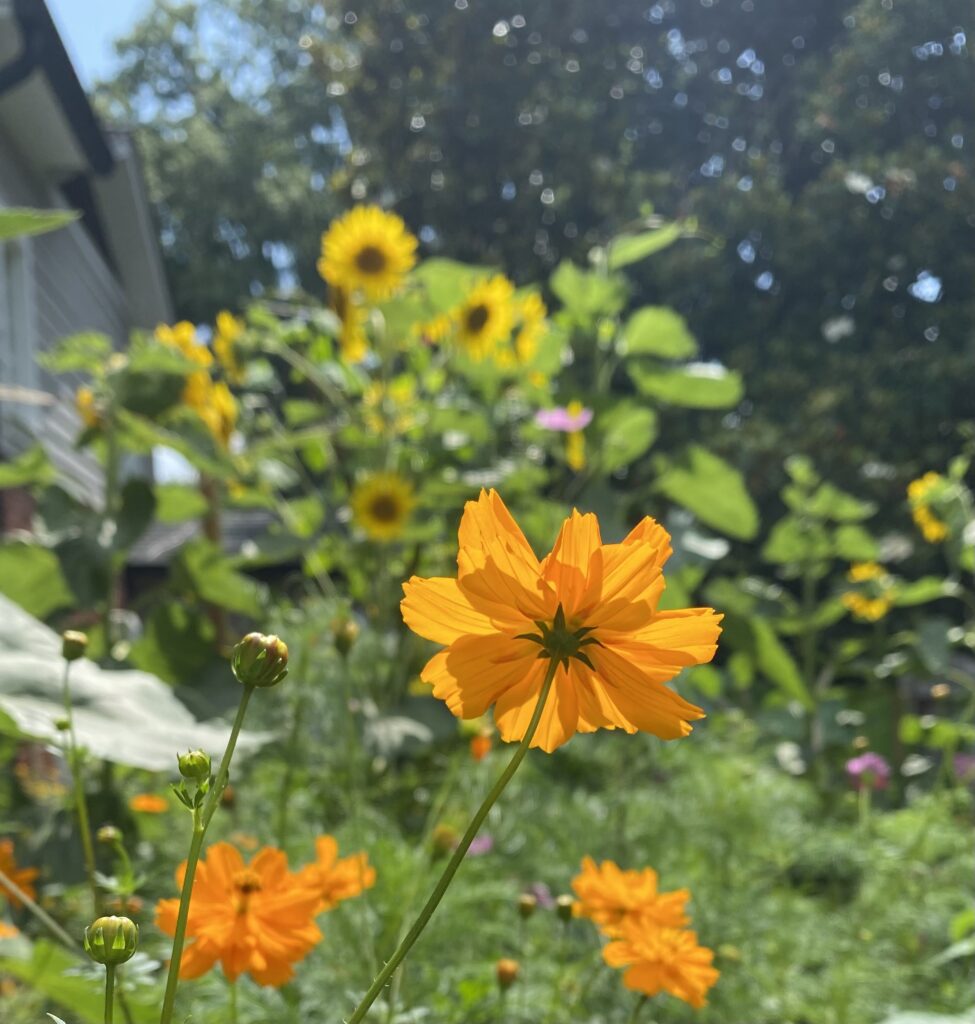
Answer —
381 505
337 878
485 317
662 960
149 803
368 251
255 919
592 607
23 878
608 895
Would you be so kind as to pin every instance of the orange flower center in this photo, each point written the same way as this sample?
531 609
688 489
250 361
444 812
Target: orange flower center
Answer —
246 882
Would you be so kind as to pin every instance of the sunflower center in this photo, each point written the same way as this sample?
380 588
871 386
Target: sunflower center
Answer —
385 508
370 259
476 318
559 642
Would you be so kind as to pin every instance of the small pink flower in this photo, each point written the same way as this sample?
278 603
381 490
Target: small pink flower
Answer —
869 770
480 845
568 418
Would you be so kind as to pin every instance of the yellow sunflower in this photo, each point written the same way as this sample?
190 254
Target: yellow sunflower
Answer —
531 329
486 316
225 337
381 505
367 250
353 343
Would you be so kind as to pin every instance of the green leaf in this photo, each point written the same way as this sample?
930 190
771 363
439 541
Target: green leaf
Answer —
626 432
695 386
793 540
933 644
446 282
31 468
777 665
927 588
713 490
216 581
20 221
854 544
175 503
827 502
588 295
627 249
86 352
658 331
138 505
31 576
176 643
706 679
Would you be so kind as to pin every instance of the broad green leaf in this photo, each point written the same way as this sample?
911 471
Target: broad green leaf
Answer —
713 490
31 576
706 679
214 578
961 950
586 294
658 331
627 249
446 282
791 541
86 352
626 432
827 502
777 665
175 503
20 221
30 468
933 644
695 386
176 643
304 515
802 471
854 543
137 507
927 588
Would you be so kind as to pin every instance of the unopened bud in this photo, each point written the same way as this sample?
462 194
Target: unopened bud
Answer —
563 907
444 839
109 835
527 904
860 742
111 940
345 632
62 724
73 644
228 797
194 765
260 660
507 972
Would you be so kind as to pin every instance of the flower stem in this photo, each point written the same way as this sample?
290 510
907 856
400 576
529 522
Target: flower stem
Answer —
6 882
233 1001
201 821
109 993
80 803
638 1009
454 863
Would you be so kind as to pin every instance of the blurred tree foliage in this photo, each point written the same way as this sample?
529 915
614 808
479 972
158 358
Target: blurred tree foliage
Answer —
824 150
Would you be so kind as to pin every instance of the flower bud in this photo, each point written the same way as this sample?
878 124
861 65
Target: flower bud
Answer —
526 905
345 632
228 797
507 972
108 834
444 839
563 907
260 660
73 644
111 940
194 765
62 724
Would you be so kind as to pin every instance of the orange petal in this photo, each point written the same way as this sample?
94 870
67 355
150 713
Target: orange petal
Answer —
567 567
438 610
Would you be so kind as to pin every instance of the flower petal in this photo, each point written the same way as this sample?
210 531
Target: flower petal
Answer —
567 567
439 610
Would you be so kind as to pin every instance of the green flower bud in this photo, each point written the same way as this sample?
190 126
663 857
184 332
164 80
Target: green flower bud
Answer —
62 724
111 940
563 908
109 835
73 644
527 904
195 765
260 660
345 632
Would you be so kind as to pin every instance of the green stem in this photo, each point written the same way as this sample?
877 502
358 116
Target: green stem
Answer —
110 515
293 753
233 1001
863 805
109 993
454 863
638 1009
80 803
201 821
6 882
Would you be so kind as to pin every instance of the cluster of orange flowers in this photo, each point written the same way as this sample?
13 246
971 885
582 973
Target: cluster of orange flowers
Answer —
647 930
258 918
23 878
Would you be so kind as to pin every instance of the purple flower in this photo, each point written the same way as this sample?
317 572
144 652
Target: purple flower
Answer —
568 418
542 893
868 770
964 765
480 845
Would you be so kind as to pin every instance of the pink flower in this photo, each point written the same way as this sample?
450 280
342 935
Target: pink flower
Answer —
868 770
569 418
480 845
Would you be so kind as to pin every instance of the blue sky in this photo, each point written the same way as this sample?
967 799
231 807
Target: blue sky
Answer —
88 28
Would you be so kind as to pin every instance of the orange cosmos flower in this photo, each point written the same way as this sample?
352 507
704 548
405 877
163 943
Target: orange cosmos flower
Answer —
594 605
23 878
609 895
662 960
481 746
8 931
337 879
256 919
149 803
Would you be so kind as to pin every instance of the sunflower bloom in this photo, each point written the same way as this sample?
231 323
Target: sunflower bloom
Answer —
367 250
920 493
228 331
862 572
532 328
256 919
485 317
182 337
381 505
662 960
593 604
608 896
335 878
87 407
23 878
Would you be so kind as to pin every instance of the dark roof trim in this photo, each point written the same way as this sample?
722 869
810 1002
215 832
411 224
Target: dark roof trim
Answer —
43 49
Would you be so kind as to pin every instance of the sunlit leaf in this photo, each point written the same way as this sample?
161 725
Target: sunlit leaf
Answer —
31 576
30 468
627 249
626 432
20 221
695 386
658 331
